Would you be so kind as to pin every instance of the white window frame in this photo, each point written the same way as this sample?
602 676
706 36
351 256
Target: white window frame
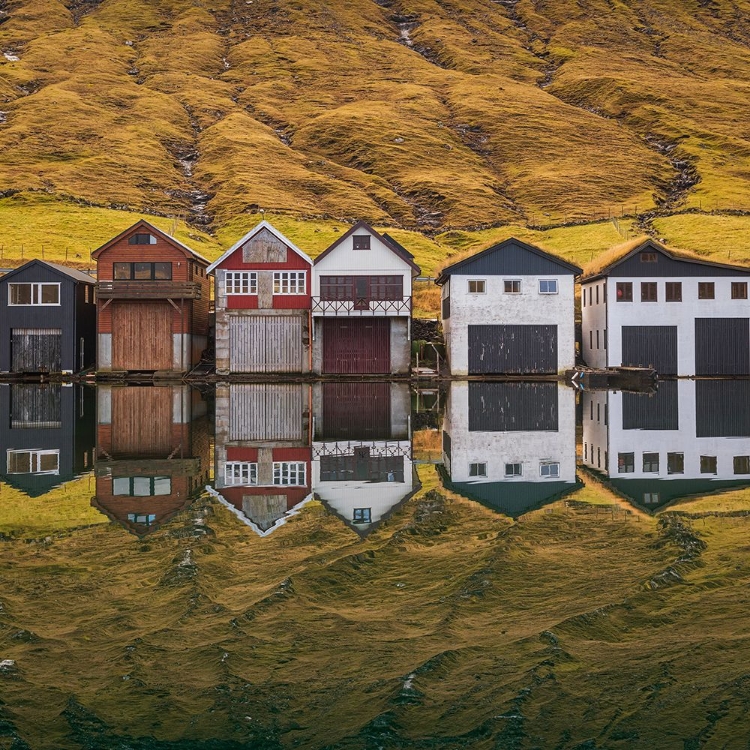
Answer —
36 292
479 464
294 281
549 464
549 281
240 280
34 456
513 281
289 473
483 282
512 463
240 474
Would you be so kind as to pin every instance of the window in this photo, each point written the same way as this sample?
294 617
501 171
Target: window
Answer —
599 458
591 292
86 293
33 462
583 298
585 451
240 472
289 473
34 294
477 470
477 286
706 290
591 346
362 515
651 462
141 486
142 519
651 498
289 282
513 470
674 291
361 241
708 464
550 469
598 412
742 464
143 271
241 282
624 291
675 463
739 290
547 286
606 412
141 239
604 292
648 258
648 291
386 287
597 338
605 338
625 463
597 294
337 287
512 286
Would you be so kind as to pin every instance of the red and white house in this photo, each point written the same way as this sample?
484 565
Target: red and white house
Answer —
361 305
263 292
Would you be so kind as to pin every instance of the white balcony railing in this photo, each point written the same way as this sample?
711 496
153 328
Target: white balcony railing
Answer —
364 307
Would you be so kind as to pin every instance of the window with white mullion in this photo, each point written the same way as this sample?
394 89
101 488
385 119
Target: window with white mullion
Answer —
241 282
289 282
240 473
36 293
33 462
289 473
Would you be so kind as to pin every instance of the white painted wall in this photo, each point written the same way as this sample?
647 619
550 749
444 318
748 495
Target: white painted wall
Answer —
594 318
498 448
495 307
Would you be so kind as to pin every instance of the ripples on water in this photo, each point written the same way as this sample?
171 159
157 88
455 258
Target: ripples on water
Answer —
357 565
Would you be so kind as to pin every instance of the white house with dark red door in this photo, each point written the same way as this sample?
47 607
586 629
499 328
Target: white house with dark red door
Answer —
262 293
361 305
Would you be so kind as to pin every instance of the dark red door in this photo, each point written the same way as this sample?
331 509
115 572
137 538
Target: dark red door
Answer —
360 346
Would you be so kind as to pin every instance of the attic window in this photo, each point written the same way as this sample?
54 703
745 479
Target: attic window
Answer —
648 258
362 515
361 241
141 239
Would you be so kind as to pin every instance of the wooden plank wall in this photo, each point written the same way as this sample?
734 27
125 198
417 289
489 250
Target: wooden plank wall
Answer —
266 412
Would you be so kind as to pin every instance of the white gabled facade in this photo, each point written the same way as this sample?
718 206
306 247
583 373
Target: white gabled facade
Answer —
509 286
624 305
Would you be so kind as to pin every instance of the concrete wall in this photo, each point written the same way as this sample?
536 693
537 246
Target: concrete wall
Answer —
594 317
495 307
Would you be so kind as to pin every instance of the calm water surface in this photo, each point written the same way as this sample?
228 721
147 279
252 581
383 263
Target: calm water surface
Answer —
359 565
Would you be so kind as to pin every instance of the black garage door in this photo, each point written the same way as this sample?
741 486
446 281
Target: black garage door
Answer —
519 350
722 346
36 349
650 346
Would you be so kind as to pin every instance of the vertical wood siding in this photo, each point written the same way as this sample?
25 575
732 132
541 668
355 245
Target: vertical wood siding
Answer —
142 336
142 422
356 345
266 412
36 349
265 343
356 411
34 406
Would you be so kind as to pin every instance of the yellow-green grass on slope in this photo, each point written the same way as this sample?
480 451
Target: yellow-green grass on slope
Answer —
723 238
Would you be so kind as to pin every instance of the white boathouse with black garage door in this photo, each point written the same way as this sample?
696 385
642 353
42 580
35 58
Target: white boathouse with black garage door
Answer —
671 310
509 310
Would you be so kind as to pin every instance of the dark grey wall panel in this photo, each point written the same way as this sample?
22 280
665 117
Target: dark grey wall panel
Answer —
446 308
511 259
504 349
722 408
666 267
722 346
511 407
650 346
658 411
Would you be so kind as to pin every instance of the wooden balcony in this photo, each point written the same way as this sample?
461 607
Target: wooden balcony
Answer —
360 307
148 290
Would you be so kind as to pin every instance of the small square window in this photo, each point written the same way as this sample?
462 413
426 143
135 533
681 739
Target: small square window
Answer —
361 241
477 286
742 464
648 291
648 258
513 470
547 286
675 463
549 469
362 515
142 271
708 465
624 291
739 290
512 286
651 462
625 463
123 271
673 291
478 470
650 498
706 290
163 271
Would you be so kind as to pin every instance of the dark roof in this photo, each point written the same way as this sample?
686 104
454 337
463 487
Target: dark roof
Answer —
397 245
512 242
72 273
143 224
389 243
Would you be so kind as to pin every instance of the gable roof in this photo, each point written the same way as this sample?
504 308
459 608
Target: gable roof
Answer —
391 244
681 256
72 273
257 228
499 247
397 245
143 224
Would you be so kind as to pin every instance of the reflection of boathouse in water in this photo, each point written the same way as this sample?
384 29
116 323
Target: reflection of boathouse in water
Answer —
362 451
510 446
690 438
152 453
262 453
47 436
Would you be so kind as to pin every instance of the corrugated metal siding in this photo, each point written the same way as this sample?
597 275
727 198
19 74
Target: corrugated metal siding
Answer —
512 407
265 343
36 349
666 267
356 346
722 346
356 411
512 259
657 411
650 346
266 412
721 408
142 336
512 349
